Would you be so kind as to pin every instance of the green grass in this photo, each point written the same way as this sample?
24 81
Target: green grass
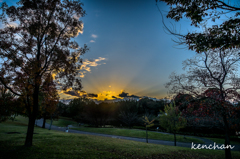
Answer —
60 145
63 122
222 141
138 134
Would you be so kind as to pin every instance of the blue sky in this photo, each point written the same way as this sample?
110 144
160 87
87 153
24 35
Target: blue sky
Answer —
139 55
129 49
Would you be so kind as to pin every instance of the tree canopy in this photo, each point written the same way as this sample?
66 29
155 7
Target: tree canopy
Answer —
225 35
40 45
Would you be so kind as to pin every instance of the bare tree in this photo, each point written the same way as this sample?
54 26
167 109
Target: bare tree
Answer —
212 74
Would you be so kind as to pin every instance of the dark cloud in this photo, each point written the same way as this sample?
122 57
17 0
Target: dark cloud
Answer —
83 91
92 95
134 96
114 97
123 94
72 93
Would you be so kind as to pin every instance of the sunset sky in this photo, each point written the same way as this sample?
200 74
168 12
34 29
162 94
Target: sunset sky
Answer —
134 53
129 49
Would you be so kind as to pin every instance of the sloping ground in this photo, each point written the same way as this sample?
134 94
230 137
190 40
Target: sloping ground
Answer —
162 142
61 145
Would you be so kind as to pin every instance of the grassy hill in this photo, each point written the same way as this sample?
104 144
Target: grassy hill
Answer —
54 144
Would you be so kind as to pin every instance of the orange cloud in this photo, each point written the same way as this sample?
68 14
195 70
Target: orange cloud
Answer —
90 63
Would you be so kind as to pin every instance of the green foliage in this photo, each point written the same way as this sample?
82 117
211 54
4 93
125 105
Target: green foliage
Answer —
149 106
98 114
76 108
147 122
7 104
171 118
148 125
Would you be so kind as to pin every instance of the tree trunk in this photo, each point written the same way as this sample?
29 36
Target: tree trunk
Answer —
30 130
146 135
50 123
227 139
175 139
32 117
44 120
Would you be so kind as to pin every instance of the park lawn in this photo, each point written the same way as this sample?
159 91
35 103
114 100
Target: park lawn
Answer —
59 145
222 141
138 134
63 122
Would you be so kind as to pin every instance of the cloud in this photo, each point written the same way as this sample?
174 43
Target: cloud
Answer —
10 24
79 29
92 41
76 16
13 24
92 95
123 94
87 64
72 93
94 36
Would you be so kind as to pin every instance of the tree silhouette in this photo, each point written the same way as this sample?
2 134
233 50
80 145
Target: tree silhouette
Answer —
226 35
38 46
7 103
48 99
214 69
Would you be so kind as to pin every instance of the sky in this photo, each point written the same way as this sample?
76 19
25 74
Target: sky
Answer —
135 54
129 49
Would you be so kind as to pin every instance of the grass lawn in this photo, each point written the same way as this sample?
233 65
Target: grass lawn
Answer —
59 145
138 133
222 141
63 122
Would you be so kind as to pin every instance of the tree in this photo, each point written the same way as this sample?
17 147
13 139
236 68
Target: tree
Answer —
38 46
183 100
146 105
97 114
50 99
128 113
76 109
226 35
148 124
7 102
172 120
215 69
202 116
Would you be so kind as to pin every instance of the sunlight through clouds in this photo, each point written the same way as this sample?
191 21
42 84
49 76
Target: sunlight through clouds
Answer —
87 64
